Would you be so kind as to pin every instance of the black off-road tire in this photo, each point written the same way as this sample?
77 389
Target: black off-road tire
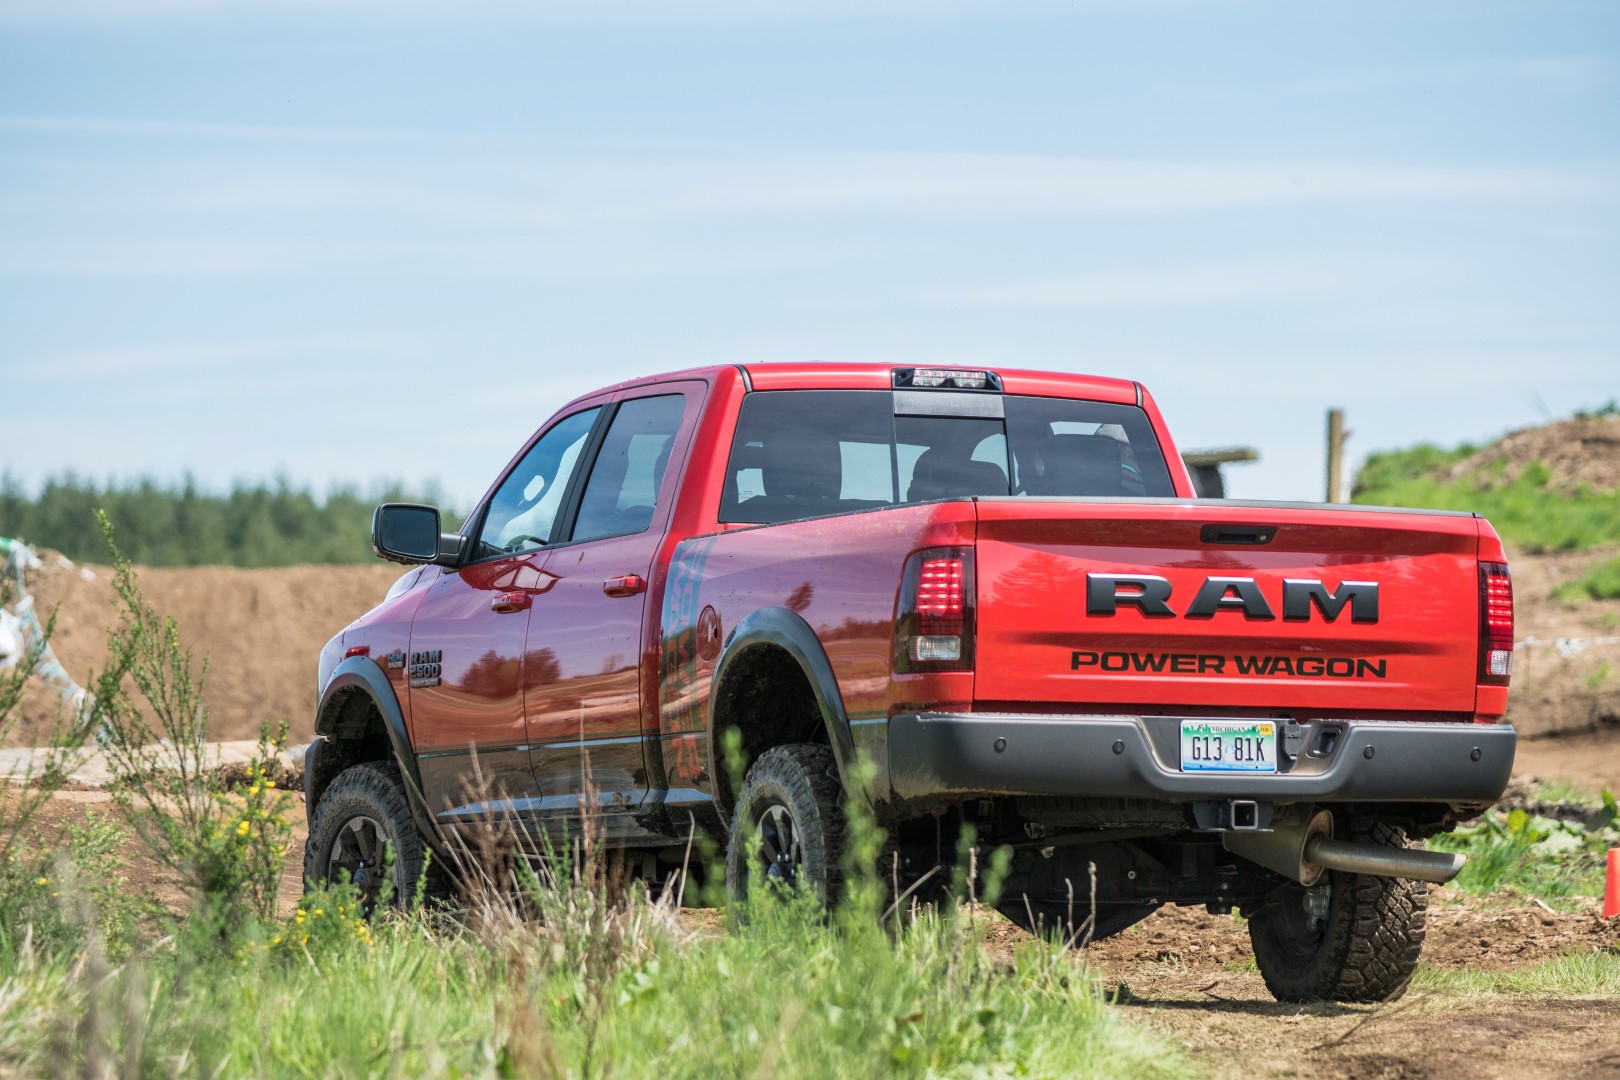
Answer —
370 799
1364 951
800 783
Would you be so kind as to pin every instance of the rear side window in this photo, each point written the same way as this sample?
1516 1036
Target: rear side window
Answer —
623 486
809 453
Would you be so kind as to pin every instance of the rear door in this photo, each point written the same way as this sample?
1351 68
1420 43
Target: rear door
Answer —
1154 605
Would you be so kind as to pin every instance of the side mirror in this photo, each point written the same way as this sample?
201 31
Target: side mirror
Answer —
406 533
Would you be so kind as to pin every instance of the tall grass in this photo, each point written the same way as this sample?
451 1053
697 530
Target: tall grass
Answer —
556 967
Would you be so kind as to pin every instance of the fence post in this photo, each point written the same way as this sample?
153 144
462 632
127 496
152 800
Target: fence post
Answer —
1335 455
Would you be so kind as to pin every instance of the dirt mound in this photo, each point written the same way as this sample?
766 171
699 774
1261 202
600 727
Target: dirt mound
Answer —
1583 451
1566 667
261 631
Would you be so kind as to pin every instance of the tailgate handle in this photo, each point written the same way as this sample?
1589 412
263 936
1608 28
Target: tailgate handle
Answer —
1238 534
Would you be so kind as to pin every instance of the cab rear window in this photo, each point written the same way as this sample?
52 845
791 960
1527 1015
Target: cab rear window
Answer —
809 453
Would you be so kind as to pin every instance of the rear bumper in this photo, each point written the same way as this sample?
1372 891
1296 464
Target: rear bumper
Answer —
960 755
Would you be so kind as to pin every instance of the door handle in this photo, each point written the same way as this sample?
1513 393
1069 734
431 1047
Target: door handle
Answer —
628 585
508 602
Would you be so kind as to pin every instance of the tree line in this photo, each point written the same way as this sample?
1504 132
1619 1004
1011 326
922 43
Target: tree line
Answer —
158 524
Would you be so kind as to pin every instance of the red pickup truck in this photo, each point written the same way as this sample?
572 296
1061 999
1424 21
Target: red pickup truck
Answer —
996 587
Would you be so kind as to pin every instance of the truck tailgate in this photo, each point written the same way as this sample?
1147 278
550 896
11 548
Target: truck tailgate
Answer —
1044 637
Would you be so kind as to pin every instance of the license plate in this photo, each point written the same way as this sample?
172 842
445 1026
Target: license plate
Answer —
1244 746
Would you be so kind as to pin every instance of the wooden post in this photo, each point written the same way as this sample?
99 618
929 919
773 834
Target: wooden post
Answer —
1335 455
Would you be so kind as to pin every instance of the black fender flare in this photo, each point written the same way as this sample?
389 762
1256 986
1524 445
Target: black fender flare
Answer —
361 674
785 630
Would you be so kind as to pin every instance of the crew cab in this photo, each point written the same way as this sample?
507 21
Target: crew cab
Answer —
984 603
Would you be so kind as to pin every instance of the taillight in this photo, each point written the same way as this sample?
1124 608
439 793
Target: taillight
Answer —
933 628
1495 623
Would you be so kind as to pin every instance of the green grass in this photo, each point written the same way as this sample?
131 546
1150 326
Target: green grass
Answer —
1525 512
1600 582
1592 974
783 993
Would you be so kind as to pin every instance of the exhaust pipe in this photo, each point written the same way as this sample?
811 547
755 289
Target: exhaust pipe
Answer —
1378 861
1303 848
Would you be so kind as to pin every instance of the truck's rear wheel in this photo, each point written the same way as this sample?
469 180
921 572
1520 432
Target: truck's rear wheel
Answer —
359 817
1352 937
788 824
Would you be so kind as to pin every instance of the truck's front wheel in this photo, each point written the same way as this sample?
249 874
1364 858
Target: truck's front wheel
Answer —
788 825
362 831
1352 937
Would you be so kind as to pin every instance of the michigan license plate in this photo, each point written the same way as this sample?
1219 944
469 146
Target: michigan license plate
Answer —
1241 746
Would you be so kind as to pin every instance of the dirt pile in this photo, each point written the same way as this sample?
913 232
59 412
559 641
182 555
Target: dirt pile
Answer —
261 631
1583 451
1566 668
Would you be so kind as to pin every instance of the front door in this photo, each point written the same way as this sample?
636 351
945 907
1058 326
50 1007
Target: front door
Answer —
467 641
588 641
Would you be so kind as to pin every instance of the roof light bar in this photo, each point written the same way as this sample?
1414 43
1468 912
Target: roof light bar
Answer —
927 378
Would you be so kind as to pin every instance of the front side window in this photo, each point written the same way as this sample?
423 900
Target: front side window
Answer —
523 512
809 453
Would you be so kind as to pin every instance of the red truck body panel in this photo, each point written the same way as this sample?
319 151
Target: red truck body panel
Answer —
1039 646
629 681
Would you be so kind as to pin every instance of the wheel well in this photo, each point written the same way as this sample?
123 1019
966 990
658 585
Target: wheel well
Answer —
355 732
767 697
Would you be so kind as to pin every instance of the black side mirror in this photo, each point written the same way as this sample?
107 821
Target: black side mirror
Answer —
406 533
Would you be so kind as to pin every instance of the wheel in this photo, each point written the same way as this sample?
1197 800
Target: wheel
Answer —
792 799
1352 937
363 812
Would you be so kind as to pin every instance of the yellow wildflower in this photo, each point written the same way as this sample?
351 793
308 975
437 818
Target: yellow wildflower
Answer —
298 916
43 881
242 827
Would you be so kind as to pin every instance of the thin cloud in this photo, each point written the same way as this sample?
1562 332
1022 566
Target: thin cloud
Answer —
142 360
1235 282
1576 73
171 129
544 190
560 11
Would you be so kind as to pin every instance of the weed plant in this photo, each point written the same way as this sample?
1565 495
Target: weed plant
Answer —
151 720
1528 855
560 966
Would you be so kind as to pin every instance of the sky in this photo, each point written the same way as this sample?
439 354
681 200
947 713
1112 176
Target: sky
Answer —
363 241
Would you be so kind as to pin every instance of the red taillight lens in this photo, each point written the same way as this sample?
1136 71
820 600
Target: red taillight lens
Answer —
1495 623
939 589
934 621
